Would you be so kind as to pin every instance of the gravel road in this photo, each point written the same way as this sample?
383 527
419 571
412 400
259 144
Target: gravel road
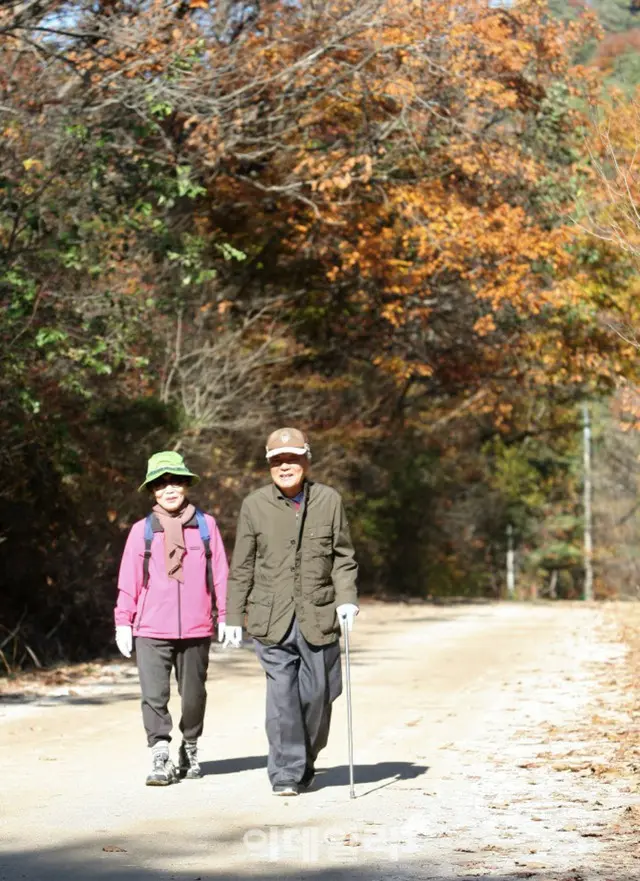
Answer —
476 757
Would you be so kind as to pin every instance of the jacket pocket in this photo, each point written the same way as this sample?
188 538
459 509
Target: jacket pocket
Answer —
317 554
324 608
137 621
318 541
322 596
259 610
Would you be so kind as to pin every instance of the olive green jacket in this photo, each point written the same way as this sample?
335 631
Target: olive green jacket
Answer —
288 562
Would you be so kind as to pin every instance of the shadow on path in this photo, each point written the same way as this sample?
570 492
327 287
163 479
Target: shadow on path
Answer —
389 772
231 766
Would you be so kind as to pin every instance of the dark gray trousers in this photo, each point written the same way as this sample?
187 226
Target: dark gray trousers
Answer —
156 658
302 682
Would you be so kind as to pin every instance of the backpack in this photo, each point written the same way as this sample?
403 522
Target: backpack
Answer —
206 541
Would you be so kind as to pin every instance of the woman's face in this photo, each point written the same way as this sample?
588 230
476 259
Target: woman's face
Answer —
170 491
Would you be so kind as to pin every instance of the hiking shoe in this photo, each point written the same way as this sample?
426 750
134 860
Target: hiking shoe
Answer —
172 771
188 765
286 789
163 771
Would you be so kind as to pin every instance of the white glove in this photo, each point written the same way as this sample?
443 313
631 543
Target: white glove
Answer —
346 613
220 631
124 639
232 637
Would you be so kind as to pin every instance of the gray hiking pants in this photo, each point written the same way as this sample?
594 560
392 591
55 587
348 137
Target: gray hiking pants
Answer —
156 658
302 682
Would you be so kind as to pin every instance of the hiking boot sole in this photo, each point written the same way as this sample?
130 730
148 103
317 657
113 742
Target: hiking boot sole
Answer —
286 791
156 781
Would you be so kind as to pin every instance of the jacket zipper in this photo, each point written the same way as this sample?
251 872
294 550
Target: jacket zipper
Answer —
179 611
301 513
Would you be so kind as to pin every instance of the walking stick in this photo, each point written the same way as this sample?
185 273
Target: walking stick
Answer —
352 793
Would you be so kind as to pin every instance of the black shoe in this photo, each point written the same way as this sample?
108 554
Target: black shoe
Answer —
286 789
308 777
188 765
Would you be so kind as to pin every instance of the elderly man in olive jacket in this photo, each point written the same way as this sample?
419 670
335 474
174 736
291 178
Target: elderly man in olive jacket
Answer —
294 574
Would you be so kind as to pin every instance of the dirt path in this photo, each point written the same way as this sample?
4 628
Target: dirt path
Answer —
472 761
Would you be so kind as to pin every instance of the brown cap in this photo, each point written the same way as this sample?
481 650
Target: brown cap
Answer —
288 440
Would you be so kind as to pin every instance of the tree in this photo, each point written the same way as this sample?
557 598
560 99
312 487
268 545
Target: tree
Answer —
219 218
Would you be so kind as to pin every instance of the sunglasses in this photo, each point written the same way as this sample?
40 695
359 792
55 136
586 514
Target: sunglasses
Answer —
168 480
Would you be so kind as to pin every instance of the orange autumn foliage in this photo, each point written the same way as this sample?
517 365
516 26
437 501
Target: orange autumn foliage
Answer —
412 164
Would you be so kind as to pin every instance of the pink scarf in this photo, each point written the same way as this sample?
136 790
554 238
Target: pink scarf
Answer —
174 544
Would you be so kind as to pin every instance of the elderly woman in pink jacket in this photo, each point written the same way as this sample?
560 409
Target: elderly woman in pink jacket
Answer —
172 590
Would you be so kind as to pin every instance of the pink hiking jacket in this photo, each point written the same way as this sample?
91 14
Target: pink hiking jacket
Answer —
169 609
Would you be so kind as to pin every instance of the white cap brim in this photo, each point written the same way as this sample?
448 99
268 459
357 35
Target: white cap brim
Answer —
298 451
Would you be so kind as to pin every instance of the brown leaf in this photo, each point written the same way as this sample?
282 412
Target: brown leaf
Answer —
571 766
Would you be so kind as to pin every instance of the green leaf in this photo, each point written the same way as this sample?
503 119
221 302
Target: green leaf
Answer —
48 336
230 253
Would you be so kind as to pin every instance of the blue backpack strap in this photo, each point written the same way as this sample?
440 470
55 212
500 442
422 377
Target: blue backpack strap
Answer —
206 541
148 538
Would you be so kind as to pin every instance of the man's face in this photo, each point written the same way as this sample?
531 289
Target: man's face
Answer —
288 471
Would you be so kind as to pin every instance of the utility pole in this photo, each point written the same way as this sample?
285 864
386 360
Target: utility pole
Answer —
588 537
511 571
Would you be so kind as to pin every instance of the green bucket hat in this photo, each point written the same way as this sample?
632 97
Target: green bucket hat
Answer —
167 462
